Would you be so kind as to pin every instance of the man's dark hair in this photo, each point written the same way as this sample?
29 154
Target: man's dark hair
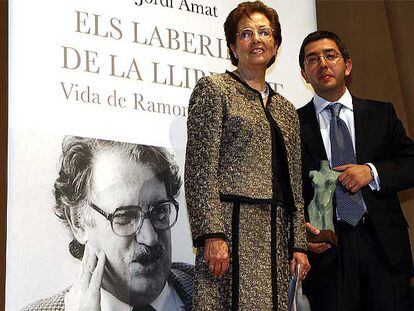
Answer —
246 9
72 187
319 35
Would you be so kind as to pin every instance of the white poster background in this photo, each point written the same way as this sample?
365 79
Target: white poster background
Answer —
40 114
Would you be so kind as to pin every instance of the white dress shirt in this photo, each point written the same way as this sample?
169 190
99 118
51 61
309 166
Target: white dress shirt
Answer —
167 300
347 115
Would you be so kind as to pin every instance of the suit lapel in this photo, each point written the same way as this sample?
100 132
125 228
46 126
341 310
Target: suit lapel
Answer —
311 134
361 132
182 283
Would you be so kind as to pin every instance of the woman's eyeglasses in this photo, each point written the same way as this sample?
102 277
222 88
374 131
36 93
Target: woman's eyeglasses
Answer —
247 33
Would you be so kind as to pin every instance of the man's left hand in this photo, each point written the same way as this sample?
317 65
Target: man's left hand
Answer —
85 294
354 176
302 260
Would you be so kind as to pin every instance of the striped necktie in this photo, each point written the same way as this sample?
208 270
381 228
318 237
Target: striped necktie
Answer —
350 207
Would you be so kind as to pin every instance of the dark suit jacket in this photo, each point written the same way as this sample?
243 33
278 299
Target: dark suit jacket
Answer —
381 140
181 278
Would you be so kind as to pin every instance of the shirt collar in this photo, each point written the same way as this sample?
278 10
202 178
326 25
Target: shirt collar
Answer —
159 303
110 303
321 103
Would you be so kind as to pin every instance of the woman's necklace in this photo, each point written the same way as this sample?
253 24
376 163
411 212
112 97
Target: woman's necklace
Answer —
264 93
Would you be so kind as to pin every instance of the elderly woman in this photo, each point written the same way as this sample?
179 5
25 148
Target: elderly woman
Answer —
243 175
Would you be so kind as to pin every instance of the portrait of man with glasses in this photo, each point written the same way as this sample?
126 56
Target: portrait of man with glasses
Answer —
119 202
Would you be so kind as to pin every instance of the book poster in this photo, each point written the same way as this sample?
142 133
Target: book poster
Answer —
111 79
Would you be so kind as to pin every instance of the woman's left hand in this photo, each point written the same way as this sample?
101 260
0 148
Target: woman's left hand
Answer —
302 260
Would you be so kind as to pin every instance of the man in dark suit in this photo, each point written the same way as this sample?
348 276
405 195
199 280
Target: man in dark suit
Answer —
118 199
366 142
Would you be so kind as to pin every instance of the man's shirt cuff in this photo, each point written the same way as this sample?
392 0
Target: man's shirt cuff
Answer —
375 183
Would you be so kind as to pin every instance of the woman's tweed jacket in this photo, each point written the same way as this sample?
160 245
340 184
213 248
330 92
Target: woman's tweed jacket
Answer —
242 160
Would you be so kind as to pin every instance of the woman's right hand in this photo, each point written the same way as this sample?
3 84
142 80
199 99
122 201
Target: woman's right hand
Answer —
216 256
85 294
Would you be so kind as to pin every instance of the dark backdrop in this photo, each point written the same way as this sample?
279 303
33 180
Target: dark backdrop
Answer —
3 142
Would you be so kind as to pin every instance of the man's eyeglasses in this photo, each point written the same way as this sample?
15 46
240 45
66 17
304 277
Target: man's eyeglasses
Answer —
247 33
330 56
128 220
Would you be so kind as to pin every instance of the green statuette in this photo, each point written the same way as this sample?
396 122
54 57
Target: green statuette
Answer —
320 209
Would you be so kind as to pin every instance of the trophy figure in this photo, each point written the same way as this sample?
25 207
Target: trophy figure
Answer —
320 209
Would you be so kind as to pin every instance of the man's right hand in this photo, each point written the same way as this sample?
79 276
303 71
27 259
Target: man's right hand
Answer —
216 256
316 247
85 294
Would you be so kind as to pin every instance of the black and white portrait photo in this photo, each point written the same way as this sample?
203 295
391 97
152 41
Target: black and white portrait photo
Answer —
118 203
